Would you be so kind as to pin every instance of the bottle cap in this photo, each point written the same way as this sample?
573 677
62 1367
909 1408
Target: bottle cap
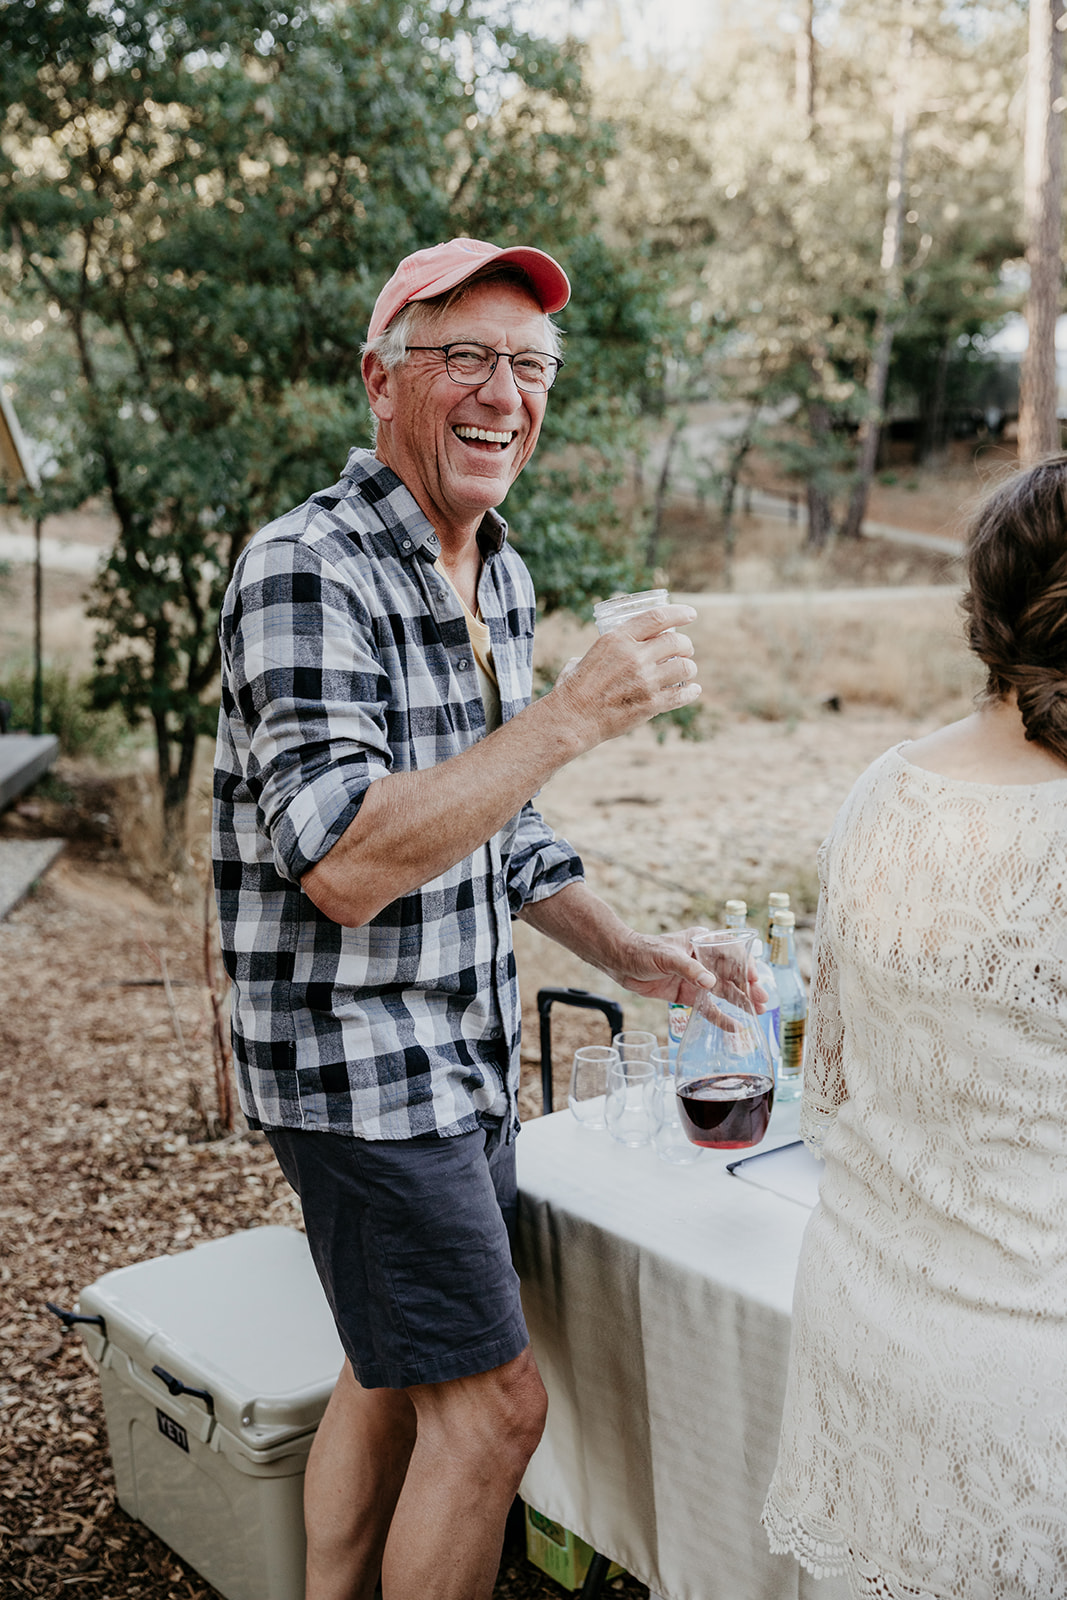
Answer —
779 900
737 907
784 919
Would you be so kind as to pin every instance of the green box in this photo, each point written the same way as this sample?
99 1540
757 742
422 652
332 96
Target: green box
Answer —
559 1553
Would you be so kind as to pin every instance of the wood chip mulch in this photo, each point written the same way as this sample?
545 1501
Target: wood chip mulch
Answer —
107 1158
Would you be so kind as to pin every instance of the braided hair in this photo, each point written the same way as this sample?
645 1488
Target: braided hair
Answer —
1016 600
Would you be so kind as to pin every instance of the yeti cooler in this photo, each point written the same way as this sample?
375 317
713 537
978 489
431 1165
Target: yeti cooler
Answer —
216 1366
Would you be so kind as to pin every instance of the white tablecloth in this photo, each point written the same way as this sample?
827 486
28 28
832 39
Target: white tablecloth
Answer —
658 1301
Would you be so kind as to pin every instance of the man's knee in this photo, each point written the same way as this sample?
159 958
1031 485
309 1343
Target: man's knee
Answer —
527 1401
496 1416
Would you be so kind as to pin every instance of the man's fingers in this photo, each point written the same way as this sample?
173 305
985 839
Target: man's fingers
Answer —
647 624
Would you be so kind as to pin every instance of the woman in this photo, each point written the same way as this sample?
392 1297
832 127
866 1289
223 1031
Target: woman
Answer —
924 1440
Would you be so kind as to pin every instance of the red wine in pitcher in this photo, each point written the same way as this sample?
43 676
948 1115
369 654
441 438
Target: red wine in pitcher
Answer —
728 1111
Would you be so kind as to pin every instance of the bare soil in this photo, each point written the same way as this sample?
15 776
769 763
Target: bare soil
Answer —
109 1147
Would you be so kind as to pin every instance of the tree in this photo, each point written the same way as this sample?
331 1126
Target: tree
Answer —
891 306
771 225
1039 429
203 197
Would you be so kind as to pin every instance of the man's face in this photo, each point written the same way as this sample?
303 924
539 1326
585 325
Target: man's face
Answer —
460 449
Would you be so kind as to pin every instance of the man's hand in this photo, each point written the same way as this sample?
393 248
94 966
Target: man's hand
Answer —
658 966
663 967
633 672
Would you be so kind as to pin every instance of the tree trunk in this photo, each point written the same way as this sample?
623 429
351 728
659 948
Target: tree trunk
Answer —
892 297
820 511
174 784
932 426
730 480
1039 429
805 68
662 483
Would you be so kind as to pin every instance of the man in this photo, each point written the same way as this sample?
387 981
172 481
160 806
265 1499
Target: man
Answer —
374 837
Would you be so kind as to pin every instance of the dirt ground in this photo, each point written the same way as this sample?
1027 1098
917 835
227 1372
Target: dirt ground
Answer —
108 1147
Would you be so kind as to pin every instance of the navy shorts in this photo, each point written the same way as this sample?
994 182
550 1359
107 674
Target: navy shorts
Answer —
410 1241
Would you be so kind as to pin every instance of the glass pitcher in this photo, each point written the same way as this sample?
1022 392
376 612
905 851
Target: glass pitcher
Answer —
723 1076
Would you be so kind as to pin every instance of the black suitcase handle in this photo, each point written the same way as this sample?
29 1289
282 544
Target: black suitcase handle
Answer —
546 998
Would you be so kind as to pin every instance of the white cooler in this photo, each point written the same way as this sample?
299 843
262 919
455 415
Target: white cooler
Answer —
216 1366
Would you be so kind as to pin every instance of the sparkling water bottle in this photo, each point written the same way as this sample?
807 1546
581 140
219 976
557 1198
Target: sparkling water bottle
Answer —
793 1005
776 901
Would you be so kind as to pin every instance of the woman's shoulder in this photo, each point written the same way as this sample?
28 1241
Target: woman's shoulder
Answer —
987 750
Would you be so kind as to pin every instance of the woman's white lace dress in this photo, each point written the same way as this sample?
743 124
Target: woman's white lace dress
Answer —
924 1441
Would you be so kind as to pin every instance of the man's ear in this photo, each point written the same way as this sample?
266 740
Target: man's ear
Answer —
376 381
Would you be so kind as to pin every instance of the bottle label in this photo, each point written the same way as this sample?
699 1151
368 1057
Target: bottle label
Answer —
677 1017
779 950
793 1029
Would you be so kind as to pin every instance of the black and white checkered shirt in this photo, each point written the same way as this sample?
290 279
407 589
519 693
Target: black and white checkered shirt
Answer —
346 657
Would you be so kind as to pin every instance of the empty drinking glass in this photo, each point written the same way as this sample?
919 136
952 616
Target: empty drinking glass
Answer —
669 1139
627 1108
634 1044
589 1084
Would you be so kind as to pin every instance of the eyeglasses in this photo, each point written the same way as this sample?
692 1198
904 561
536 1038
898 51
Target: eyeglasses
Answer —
474 364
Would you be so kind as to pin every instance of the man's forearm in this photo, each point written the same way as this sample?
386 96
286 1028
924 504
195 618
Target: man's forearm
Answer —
657 966
413 826
585 925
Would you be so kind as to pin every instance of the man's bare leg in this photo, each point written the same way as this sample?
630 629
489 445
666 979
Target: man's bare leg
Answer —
355 1473
475 1437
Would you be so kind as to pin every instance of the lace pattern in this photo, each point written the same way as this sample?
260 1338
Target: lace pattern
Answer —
924 1440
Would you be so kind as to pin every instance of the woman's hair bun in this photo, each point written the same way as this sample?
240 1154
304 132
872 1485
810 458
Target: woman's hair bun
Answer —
1016 600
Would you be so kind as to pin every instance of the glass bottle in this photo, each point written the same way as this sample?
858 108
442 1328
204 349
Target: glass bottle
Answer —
776 901
793 1005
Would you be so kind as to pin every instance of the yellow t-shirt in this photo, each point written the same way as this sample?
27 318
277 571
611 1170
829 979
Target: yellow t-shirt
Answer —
483 656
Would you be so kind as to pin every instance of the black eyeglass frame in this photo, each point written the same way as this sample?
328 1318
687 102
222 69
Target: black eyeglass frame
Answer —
474 344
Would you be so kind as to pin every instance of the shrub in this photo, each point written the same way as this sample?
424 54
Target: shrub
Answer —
67 712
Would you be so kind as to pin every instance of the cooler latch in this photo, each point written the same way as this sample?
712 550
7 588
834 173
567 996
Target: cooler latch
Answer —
176 1387
69 1318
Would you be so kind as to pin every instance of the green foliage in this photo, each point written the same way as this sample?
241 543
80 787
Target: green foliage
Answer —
691 722
769 228
199 200
67 712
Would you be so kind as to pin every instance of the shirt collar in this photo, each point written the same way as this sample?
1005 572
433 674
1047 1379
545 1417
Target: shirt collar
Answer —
404 522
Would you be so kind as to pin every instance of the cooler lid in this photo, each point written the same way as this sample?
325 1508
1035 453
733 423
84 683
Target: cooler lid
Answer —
243 1318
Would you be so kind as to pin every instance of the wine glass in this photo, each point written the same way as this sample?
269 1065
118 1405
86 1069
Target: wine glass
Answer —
589 1084
723 1074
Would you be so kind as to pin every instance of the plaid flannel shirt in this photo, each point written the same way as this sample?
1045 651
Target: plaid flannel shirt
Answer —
346 657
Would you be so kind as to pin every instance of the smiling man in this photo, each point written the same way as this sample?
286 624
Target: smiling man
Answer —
374 837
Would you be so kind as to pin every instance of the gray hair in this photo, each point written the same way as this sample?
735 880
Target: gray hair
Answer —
418 317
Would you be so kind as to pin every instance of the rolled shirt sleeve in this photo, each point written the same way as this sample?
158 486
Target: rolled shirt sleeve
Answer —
312 697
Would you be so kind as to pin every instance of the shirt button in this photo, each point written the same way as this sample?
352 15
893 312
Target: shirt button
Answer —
406 544
463 665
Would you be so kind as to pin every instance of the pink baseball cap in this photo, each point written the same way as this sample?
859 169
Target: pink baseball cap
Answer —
443 266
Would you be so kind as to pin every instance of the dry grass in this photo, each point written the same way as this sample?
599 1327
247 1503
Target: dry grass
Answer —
783 663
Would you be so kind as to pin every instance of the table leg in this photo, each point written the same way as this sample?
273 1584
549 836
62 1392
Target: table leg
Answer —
594 1578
